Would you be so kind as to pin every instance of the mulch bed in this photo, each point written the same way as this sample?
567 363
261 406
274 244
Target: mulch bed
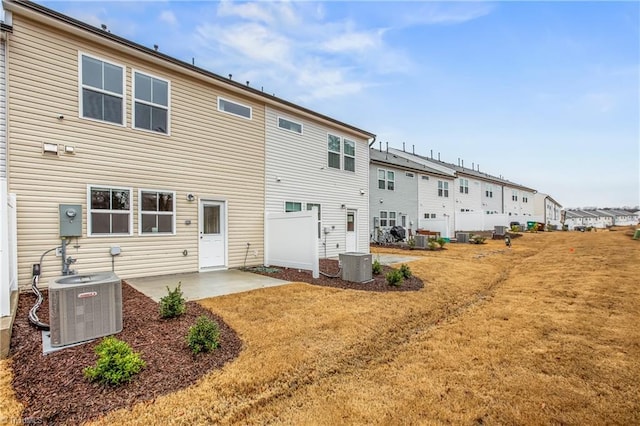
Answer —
52 387
331 267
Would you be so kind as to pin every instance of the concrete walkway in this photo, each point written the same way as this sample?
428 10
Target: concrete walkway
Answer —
389 259
202 285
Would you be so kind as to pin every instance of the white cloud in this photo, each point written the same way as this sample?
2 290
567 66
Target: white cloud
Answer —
447 13
354 41
168 16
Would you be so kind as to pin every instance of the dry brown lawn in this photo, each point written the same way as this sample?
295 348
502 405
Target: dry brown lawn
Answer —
547 332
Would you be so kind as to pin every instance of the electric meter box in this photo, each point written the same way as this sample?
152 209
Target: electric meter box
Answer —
70 220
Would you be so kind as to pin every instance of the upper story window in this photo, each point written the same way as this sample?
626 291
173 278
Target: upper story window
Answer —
102 86
386 179
292 126
151 99
157 212
333 146
443 189
349 155
409 175
110 211
464 186
489 191
234 108
525 199
514 195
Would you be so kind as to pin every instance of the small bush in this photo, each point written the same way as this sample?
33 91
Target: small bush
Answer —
405 271
117 363
432 244
395 278
441 242
411 242
376 267
477 239
173 304
204 336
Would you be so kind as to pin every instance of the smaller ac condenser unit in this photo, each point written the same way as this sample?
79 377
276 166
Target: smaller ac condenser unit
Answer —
422 241
84 307
462 237
356 267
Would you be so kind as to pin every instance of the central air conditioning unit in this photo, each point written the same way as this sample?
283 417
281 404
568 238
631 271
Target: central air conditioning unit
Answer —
356 267
422 241
462 237
84 307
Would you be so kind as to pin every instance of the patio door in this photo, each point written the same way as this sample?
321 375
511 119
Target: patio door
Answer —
352 233
213 238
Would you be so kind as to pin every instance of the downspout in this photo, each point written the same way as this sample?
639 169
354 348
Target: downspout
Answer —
373 141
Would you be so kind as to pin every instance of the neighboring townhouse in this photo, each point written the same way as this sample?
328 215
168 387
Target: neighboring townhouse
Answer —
588 218
436 194
402 192
163 162
322 165
621 217
549 209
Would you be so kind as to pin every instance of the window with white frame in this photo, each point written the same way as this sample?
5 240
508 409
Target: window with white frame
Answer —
333 146
514 195
110 211
157 212
310 206
409 175
383 218
290 125
102 86
349 155
235 108
443 189
424 177
151 103
489 191
525 199
292 206
392 218
464 186
386 179
429 215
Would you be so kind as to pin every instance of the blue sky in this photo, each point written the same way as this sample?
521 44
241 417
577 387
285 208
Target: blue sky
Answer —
546 94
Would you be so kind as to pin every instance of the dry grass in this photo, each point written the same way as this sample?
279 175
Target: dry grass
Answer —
543 333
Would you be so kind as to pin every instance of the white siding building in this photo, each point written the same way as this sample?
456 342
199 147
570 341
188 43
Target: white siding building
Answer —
315 163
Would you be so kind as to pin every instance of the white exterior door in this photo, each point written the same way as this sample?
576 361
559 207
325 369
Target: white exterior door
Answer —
212 234
352 231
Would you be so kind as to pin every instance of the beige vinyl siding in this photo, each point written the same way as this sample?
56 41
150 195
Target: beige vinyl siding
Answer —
300 161
3 110
209 153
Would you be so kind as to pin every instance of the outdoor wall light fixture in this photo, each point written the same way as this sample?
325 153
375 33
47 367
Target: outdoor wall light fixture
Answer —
343 206
190 197
381 201
362 192
278 178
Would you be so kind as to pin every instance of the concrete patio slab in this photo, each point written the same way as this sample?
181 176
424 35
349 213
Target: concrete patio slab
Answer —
389 259
202 285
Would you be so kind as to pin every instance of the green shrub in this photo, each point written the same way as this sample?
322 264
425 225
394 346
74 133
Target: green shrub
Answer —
405 271
117 363
441 242
376 267
477 239
395 278
173 304
204 336
411 242
432 244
